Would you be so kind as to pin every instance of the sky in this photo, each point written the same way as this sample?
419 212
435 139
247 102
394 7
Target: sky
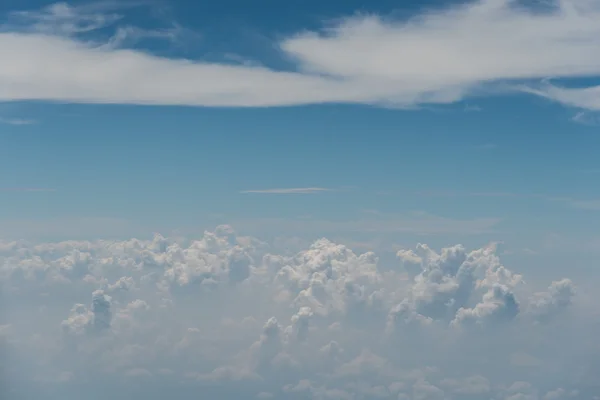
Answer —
302 199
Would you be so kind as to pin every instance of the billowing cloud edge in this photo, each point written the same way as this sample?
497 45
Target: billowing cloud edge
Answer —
227 312
439 56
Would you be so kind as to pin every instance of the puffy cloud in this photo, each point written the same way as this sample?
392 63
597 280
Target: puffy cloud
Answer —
423 390
362 59
300 323
555 394
225 314
558 297
498 304
472 385
445 283
521 391
79 319
97 318
101 310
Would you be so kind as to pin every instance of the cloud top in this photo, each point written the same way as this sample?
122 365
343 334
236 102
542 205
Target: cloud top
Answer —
227 314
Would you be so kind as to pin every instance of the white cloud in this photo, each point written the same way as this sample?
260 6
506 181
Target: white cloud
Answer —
585 98
555 394
16 121
555 300
472 385
472 108
225 315
586 118
63 19
440 56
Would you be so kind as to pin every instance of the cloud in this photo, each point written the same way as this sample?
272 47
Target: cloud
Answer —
472 385
557 298
307 190
131 35
228 316
586 118
439 56
472 108
586 98
498 304
17 121
63 19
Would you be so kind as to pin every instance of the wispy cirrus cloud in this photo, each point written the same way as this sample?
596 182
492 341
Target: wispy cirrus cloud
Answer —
586 118
472 108
63 19
306 190
436 57
587 98
17 121
75 22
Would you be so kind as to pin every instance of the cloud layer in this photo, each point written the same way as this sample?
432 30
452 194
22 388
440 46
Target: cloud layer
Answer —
435 57
227 317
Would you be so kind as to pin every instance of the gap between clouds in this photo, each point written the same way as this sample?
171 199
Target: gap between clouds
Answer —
439 56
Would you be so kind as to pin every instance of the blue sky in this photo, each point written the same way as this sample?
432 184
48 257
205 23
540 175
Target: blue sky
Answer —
168 164
300 200
523 161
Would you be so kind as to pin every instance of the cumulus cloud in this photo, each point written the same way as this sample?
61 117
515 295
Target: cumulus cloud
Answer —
472 385
553 301
226 315
438 56
497 304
